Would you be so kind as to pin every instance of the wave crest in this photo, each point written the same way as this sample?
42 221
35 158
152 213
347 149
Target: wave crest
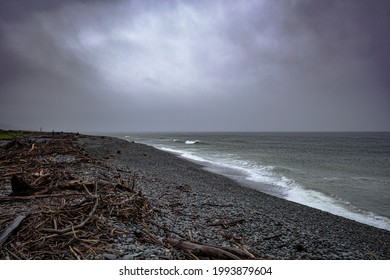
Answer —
192 142
189 141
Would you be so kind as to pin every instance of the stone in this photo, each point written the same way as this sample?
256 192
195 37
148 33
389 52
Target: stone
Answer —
109 256
131 256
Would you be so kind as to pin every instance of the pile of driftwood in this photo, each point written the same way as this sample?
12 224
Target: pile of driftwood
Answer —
51 208
57 202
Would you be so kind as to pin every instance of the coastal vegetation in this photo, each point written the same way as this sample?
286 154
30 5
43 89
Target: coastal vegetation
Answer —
11 134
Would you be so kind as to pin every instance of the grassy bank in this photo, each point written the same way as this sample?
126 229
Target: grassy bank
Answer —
10 134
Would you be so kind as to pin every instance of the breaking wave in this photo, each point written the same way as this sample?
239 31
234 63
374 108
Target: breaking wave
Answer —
192 142
272 182
188 142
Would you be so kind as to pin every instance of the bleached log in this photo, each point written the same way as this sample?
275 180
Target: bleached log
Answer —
9 230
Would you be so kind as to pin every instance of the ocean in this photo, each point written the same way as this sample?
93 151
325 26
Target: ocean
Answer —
346 174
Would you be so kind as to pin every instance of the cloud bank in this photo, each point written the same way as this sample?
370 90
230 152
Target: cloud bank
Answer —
195 65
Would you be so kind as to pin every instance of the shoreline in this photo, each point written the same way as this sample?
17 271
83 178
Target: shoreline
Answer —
189 204
339 183
304 232
337 207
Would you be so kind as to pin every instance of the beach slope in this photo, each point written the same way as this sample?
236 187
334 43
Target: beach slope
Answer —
212 209
99 197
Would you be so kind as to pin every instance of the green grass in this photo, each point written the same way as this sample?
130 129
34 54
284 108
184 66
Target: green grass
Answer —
10 134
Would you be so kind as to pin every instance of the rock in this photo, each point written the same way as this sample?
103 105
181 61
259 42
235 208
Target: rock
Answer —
130 240
133 247
131 256
109 256
19 186
300 247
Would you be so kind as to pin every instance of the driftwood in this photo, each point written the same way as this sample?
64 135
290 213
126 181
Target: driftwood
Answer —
72 228
83 223
217 252
124 185
13 144
70 218
32 148
75 184
242 253
12 173
32 197
7 233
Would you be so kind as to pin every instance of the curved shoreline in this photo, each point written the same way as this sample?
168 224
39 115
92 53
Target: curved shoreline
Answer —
333 205
191 200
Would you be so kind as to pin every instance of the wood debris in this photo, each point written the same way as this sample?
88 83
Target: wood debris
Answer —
51 208
57 202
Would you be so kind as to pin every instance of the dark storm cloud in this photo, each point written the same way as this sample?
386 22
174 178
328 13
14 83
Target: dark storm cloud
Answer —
195 65
356 26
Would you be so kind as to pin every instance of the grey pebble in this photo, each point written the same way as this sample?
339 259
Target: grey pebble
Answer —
131 256
109 256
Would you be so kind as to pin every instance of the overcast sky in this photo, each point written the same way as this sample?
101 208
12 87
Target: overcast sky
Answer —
261 65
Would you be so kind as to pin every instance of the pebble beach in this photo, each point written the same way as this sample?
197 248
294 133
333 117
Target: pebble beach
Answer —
130 201
193 204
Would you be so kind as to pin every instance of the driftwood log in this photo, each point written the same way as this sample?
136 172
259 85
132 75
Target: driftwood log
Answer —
8 231
217 252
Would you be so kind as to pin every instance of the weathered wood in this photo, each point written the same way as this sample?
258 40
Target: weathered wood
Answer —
124 188
9 230
62 200
14 143
12 173
242 253
31 197
75 184
205 250
82 224
32 148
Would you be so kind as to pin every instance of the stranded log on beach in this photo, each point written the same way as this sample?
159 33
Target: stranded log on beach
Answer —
92 202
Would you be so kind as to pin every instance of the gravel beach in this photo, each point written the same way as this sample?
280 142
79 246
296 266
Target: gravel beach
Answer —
71 196
195 205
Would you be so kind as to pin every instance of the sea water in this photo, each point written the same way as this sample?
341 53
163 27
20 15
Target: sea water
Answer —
346 174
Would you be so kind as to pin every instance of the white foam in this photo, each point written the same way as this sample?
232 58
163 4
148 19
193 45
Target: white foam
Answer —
337 207
184 154
191 142
285 187
295 192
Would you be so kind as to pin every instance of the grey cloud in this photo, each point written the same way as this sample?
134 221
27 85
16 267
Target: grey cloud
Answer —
195 65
